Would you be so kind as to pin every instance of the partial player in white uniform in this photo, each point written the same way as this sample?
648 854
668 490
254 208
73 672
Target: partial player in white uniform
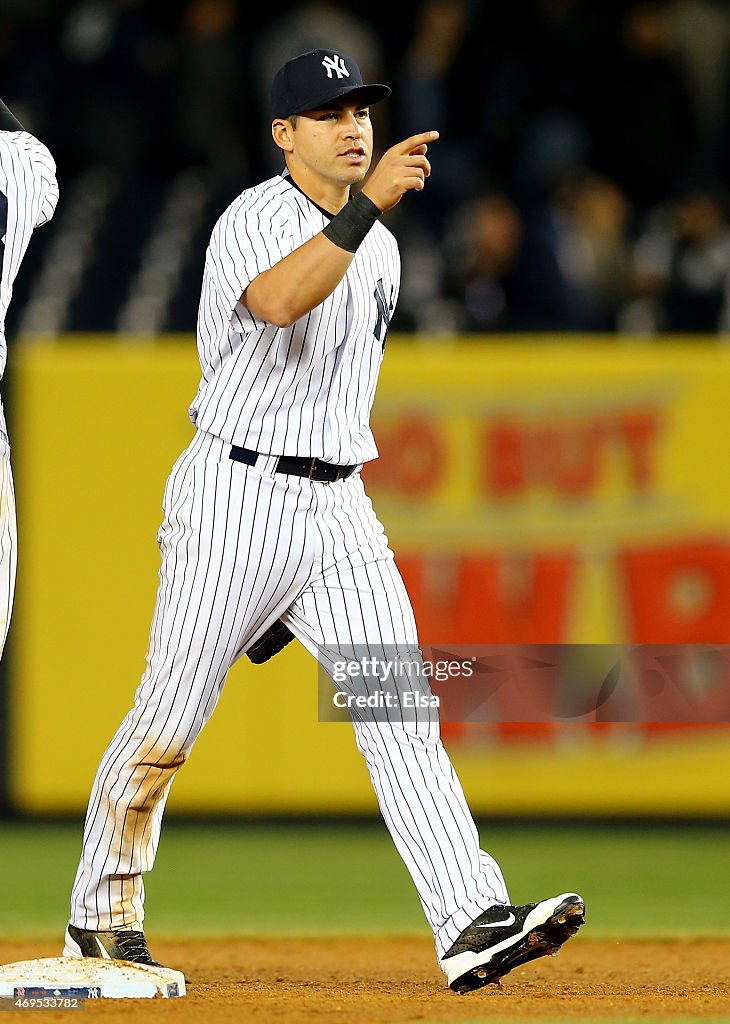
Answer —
268 532
28 197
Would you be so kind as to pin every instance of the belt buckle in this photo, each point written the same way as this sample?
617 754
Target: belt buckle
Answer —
312 467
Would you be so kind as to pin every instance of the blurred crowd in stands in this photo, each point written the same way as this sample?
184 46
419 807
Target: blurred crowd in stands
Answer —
581 179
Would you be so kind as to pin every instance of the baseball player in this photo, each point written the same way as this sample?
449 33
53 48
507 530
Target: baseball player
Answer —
28 197
268 533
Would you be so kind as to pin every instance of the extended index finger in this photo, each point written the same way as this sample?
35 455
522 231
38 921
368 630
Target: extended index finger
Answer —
416 140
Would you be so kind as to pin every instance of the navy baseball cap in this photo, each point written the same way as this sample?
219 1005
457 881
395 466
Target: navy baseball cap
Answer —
314 79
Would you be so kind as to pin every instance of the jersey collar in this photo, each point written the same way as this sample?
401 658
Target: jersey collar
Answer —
287 177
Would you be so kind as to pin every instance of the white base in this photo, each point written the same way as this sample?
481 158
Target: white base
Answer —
65 977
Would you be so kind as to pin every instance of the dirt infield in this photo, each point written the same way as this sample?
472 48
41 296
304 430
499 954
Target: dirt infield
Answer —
373 981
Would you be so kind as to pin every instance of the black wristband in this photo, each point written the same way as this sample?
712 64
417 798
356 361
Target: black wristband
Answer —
348 228
8 122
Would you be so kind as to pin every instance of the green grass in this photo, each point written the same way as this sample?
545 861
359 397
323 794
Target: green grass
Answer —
638 882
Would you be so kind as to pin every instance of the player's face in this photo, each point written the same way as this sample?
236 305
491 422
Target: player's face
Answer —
335 143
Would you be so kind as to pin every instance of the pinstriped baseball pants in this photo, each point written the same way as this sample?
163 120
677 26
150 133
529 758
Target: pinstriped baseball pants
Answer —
8 541
241 547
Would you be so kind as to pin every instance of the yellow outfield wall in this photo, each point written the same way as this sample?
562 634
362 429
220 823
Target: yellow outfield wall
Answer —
533 491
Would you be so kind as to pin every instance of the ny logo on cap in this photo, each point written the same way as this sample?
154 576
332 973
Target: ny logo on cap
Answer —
336 64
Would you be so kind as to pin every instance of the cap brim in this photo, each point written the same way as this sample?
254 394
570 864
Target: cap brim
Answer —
364 94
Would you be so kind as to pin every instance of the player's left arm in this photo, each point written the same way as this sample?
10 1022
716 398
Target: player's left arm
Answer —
305 277
27 177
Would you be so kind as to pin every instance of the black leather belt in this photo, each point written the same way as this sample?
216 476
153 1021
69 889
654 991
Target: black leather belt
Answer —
313 469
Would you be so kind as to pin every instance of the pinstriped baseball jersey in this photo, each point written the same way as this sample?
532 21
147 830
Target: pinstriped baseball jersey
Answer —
303 390
246 545
28 197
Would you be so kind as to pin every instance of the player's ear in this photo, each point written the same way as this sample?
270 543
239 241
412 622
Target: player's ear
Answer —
281 131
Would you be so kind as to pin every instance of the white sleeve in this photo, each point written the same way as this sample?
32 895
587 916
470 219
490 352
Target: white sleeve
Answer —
251 236
28 173
29 192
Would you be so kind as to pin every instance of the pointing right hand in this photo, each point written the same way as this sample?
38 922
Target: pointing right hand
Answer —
401 168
